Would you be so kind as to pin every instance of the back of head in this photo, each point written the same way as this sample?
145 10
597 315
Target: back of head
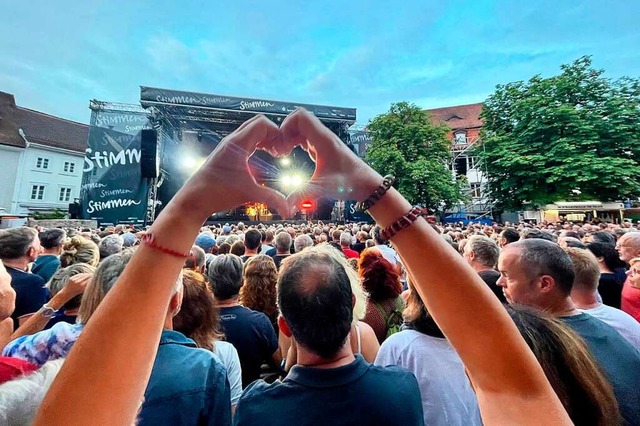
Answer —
301 242
237 248
575 376
510 235
198 318
608 254
52 238
79 250
585 267
205 241
604 237
572 242
224 248
196 259
15 242
379 277
534 233
335 235
541 257
314 297
111 244
252 239
61 278
225 276
377 235
486 251
570 234
103 280
258 291
346 239
417 316
283 242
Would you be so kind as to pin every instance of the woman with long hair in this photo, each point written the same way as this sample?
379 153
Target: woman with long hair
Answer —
381 280
258 291
199 319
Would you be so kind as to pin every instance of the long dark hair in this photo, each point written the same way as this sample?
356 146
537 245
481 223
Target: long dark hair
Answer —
608 253
417 317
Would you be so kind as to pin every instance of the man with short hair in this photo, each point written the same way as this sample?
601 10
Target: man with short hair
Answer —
48 261
20 247
345 243
252 244
584 294
302 242
196 260
328 382
539 273
359 244
482 254
628 247
335 235
249 331
387 252
283 247
267 243
111 244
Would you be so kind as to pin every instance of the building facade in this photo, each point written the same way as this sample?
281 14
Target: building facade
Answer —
41 158
465 123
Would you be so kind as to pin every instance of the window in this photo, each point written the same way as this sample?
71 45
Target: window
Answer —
37 192
42 163
65 194
460 138
69 167
475 190
471 163
460 166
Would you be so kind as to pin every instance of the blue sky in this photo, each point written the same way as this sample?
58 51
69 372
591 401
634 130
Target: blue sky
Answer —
57 55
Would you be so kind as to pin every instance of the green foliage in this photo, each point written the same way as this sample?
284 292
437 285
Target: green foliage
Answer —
406 144
574 136
55 214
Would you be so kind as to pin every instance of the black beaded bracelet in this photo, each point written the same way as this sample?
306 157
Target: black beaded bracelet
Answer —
386 184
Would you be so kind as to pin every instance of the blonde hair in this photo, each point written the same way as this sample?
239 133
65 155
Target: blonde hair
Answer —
360 307
585 267
80 250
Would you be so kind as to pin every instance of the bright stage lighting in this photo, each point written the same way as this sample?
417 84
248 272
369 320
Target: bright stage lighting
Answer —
285 161
291 181
191 163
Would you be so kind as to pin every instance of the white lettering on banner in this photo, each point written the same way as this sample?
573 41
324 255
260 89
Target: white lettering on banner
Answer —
96 206
110 120
255 104
131 129
201 100
102 159
93 185
107 193
360 138
352 208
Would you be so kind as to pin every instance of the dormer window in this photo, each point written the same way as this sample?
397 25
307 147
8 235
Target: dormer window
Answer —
460 138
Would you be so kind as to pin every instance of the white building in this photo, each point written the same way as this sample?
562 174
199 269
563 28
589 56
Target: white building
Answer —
41 159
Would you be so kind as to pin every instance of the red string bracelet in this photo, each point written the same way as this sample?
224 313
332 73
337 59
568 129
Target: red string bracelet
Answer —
150 241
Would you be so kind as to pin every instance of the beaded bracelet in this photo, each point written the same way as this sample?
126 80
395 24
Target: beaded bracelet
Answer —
150 241
387 181
402 223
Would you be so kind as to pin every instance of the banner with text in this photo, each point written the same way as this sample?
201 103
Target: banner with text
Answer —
113 190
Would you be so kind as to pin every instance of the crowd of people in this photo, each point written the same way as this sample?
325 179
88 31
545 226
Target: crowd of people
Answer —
397 322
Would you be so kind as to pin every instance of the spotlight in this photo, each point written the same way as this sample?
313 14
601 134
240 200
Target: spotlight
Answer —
285 161
291 181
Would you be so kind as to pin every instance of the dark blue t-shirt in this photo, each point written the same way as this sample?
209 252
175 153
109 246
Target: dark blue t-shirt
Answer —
45 266
618 359
31 293
252 334
354 394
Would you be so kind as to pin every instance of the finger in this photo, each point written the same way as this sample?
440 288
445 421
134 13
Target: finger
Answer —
260 129
304 127
274 199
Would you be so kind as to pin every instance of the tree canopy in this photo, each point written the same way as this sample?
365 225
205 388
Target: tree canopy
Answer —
574 136
406 144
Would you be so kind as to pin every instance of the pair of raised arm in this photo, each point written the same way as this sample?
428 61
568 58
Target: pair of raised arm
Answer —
106 373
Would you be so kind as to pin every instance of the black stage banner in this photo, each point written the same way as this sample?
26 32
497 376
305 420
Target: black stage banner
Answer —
361 139
113 190
150 96
354 214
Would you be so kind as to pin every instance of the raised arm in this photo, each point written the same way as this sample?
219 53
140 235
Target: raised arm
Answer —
106 373
508 380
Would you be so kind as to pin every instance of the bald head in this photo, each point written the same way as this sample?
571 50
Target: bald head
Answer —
628 246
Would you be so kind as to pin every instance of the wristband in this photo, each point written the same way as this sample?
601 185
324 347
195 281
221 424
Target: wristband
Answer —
402 223
378 193
149 240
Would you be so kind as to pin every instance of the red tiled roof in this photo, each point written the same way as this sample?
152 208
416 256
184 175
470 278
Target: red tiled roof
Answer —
39 127
458 117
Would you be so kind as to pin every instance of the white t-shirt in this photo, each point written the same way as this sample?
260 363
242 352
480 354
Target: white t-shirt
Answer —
624 323
388 253
229 357
447 396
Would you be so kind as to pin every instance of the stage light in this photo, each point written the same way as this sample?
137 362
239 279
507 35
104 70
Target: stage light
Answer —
307 204
285 161
291 181
189 162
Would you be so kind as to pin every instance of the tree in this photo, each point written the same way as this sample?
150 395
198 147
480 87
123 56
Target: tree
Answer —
574 136
406 144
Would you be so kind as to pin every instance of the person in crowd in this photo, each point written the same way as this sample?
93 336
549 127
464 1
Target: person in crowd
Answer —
359 244
335 236
199 320
205 241
196 260
79 250
382 282
238 248
48 262
129 240
508 236
111 244
252 244
302 242
381 245
565 242
604 237
345 243
612 273
538 273
510 384
447 396
315 300
583 389
224 248
628 248
584 294
535 233
249 331
283 247
19 247
267 242
482 254
258 291
69 311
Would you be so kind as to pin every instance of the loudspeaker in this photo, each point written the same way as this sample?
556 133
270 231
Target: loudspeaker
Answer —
74 210
149 159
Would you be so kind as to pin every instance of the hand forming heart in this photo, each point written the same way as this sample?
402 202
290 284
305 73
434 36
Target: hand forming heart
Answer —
339 173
